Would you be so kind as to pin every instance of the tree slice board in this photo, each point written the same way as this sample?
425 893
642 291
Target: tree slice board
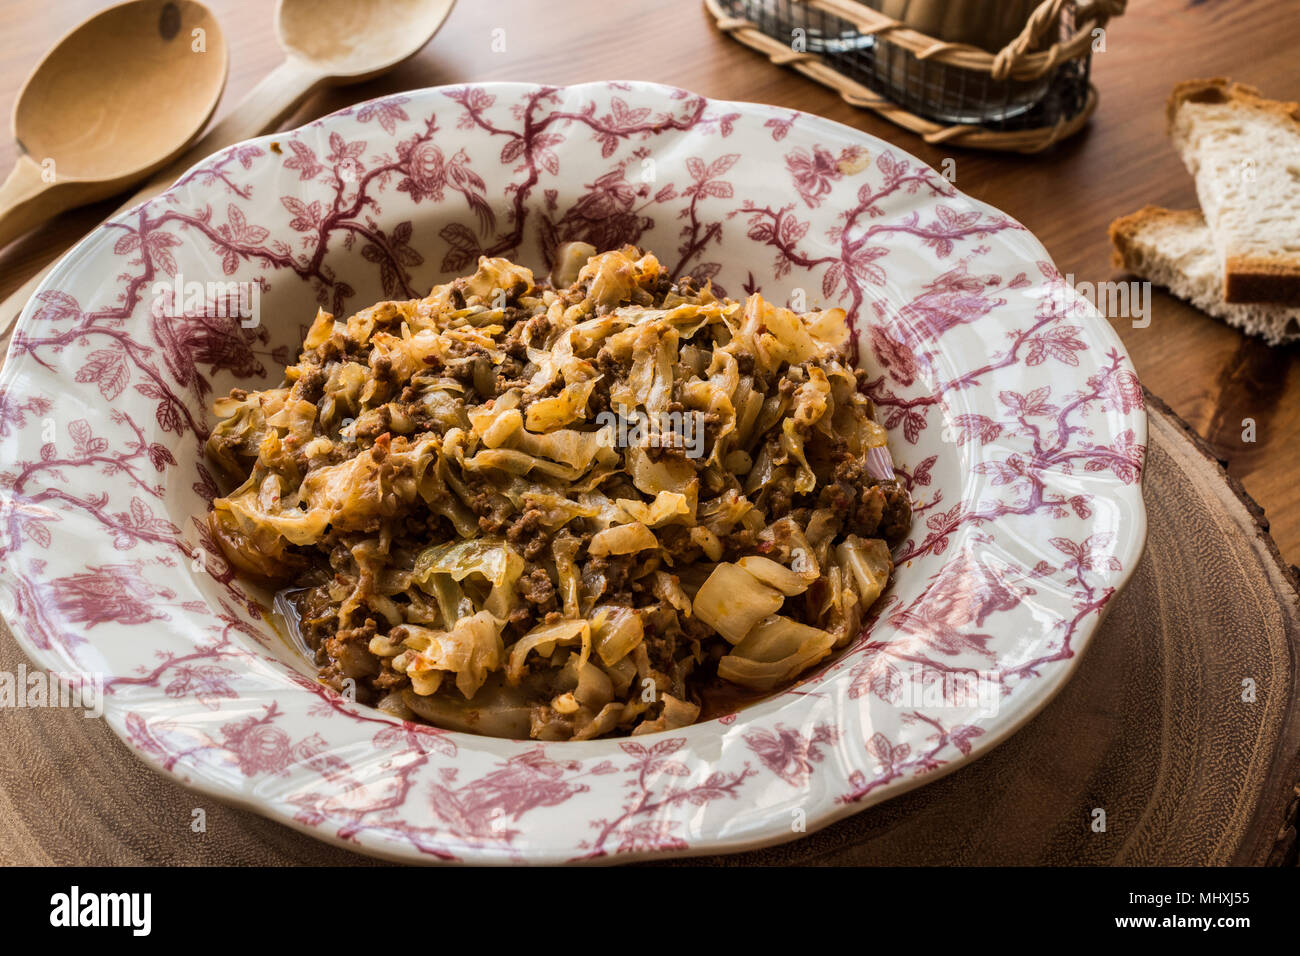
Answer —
1152 729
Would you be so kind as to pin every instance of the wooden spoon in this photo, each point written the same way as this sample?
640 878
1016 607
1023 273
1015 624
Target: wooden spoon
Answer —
115 100
328 42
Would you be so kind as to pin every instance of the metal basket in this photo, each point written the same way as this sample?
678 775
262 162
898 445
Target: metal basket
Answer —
1029 94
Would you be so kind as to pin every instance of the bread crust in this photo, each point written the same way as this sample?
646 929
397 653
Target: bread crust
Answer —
1124 229
1220 89
1246 278
1261 279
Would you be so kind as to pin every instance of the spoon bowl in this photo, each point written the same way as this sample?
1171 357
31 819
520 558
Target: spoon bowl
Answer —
123 92
115 100
354 40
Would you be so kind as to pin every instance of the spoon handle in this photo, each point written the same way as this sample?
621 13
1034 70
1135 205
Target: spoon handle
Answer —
21 205
265 106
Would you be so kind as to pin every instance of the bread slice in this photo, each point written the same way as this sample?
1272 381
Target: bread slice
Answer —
1244 152
1174 249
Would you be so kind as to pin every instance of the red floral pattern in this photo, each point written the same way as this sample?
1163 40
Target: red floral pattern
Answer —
1015 417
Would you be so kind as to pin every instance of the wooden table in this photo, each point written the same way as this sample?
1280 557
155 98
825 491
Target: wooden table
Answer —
1213 377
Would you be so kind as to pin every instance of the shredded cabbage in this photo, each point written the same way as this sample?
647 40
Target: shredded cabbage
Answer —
776 650
470 650
732 601
561 508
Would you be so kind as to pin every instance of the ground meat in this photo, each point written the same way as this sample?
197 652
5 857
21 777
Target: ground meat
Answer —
686 287
492 508
528 535
514 347
312 385
610 371
536 328
661 632
390 679
598 402
863 519
375 425
870 508
613 570
536 588
778 497
348 655
675 542
896 521
712 425
662 285
740 541
382 366
510 374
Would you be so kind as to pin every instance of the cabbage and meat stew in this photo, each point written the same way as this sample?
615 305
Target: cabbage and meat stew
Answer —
564 509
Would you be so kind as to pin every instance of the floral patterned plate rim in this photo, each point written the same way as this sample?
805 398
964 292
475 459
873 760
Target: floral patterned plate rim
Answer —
1015 417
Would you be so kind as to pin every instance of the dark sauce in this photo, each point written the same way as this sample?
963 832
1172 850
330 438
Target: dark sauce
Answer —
286 610
720 698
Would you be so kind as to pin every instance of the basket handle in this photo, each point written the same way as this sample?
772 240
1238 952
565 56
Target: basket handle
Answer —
1047 14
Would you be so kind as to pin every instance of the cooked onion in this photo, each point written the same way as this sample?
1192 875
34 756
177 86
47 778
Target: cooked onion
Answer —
880 464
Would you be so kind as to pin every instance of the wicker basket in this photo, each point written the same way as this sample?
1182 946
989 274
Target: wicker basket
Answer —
1031 93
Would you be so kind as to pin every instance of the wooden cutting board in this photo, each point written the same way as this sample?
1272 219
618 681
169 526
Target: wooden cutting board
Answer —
1152 729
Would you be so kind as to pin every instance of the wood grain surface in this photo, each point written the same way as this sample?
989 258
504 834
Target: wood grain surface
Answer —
1152 729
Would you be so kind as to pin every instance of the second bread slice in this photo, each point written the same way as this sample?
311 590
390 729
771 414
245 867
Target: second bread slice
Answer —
1173 249
1244 152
